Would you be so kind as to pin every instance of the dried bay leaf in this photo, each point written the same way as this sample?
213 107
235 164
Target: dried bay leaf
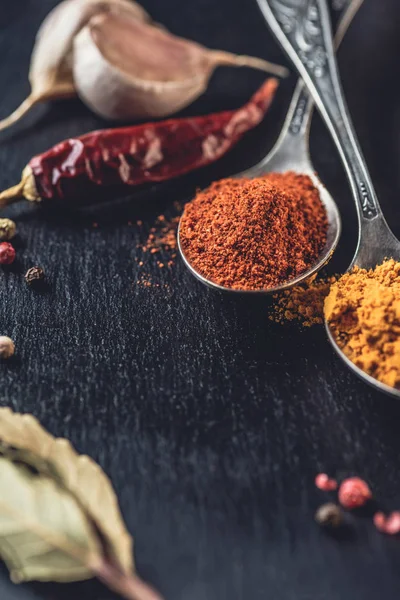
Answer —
78 474
44 534
81 534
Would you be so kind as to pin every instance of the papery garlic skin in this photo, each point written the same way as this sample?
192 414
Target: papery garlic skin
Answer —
113 94
55 37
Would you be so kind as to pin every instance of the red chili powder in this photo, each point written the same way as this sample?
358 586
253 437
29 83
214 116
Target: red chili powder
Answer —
159 250
254 233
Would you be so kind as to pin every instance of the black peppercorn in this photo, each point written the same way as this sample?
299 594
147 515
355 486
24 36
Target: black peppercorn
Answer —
34 275
329 515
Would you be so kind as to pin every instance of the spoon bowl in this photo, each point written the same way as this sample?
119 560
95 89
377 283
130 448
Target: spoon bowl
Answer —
379 244
333 235
291 153
382 387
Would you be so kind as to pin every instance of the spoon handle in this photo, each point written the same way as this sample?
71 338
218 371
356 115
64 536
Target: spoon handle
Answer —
304 31
298 118
291 150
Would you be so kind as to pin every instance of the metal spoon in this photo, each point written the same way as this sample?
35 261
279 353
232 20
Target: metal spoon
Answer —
291 153
304 31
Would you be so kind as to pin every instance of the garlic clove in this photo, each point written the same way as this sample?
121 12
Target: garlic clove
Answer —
125 68
115 94
50 72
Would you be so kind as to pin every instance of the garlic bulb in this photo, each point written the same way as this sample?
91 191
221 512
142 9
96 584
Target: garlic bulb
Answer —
121 64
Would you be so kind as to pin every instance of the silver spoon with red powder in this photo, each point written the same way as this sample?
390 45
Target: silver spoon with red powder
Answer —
291 153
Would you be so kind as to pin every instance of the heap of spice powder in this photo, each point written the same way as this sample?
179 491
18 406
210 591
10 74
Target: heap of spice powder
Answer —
363 311
303 303
254 233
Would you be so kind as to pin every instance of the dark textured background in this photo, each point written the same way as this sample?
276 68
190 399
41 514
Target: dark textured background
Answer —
210 420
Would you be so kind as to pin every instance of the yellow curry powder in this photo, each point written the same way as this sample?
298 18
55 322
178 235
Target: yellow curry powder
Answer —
363 310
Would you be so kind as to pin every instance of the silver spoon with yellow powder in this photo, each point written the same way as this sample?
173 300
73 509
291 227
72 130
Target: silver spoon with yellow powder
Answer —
363 312
303 28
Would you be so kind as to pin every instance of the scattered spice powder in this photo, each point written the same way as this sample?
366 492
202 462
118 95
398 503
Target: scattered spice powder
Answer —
160 240
303 303
162 236
363 311
254 233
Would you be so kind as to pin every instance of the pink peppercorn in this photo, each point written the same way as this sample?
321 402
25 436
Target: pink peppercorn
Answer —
7 253
380 521
389 524
324 483
354 492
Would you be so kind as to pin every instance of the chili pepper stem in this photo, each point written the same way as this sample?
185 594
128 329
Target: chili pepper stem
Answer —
12 194
241 60
19 112
26 188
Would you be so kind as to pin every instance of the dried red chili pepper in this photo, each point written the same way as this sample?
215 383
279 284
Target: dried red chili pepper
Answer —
151 152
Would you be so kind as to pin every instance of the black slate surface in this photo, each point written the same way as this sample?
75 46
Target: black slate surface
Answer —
210 420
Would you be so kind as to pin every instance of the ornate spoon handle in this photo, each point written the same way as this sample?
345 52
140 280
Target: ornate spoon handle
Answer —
299 115
304 31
